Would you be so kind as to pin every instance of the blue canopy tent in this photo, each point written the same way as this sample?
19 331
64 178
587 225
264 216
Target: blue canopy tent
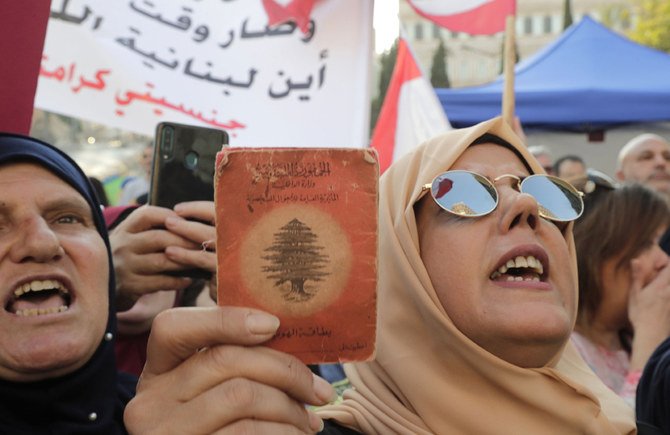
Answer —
588 79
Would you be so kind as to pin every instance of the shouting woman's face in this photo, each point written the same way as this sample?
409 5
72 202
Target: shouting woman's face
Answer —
505 279
54 276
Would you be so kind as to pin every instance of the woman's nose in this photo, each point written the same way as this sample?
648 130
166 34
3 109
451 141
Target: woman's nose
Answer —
518 209
35 241
661 259
659 160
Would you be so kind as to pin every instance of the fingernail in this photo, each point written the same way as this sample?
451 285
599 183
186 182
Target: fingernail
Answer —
324 390
315 422
262 324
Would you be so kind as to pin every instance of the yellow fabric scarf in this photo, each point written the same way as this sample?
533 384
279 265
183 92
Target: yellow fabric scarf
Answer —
427 377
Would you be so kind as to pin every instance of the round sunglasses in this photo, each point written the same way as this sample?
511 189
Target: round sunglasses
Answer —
469 194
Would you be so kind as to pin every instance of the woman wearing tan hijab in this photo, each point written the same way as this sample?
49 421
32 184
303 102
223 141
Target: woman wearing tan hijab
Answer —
474 312
460 348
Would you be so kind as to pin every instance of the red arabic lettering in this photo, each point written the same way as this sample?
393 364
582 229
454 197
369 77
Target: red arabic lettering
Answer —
131 96
65 74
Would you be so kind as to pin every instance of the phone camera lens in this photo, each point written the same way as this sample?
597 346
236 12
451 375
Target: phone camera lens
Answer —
191 160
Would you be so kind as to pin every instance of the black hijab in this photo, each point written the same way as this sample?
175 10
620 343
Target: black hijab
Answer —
91 399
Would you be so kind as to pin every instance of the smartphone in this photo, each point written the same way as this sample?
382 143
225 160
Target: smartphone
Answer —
183 163
183 168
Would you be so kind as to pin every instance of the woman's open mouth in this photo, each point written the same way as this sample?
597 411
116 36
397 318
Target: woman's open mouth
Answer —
38 298
520 268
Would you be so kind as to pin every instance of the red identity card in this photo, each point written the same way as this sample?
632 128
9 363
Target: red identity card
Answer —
297 237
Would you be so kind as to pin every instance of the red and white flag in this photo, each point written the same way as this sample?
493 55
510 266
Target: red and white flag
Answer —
476 17
411 112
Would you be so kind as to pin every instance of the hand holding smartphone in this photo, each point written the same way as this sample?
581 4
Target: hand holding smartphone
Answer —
183 168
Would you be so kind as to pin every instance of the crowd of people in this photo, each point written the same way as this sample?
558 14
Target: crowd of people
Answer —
509 302
623 241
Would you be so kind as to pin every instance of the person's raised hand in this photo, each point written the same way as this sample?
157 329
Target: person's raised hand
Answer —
140 261
207 373
648 311
194 221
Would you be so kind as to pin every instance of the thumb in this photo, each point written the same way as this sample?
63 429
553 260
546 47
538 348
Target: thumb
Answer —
178 333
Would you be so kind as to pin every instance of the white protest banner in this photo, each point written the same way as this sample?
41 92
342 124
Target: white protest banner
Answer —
216 63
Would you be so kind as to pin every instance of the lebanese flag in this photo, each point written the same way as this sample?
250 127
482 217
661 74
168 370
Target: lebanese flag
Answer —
476 17
411 112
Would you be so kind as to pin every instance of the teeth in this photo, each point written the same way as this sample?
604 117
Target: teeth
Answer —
520 278
521 261
40 311
528 262
36 286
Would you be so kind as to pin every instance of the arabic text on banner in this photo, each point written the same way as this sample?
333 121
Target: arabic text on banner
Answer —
214 63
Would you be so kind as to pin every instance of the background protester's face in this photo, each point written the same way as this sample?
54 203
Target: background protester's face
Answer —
545 161
571 169
147 159
48 240
652 258
612 312
519 315
649 163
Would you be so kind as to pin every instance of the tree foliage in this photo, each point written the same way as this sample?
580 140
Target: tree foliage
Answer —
439 77
615 16
652 27
387 61
567 14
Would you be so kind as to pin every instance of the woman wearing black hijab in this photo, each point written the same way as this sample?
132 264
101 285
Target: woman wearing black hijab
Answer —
83 394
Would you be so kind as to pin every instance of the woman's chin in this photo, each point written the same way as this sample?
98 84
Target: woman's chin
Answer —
530 345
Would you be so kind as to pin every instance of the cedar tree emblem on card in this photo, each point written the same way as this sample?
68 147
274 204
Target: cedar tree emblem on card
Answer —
296 258
297 237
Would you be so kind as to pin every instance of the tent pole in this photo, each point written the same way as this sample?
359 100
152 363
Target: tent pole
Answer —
508 62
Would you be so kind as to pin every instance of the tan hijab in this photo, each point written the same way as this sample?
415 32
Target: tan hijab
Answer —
427 377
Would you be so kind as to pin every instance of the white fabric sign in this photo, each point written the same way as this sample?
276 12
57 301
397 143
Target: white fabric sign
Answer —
131 64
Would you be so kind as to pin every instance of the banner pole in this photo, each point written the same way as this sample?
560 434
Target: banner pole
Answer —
508 63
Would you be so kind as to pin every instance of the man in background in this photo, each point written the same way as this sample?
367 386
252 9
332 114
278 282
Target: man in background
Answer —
134 189
645 159
570 167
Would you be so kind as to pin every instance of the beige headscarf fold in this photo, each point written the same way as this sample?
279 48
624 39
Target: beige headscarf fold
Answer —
427 376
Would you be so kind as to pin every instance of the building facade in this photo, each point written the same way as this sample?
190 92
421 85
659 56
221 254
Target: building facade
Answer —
476 59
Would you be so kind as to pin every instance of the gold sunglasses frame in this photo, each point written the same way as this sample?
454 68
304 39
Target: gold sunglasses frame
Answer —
542 211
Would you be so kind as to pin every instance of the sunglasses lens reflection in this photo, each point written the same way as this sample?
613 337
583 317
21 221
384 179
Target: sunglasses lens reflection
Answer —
471 195
557 199
464 193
